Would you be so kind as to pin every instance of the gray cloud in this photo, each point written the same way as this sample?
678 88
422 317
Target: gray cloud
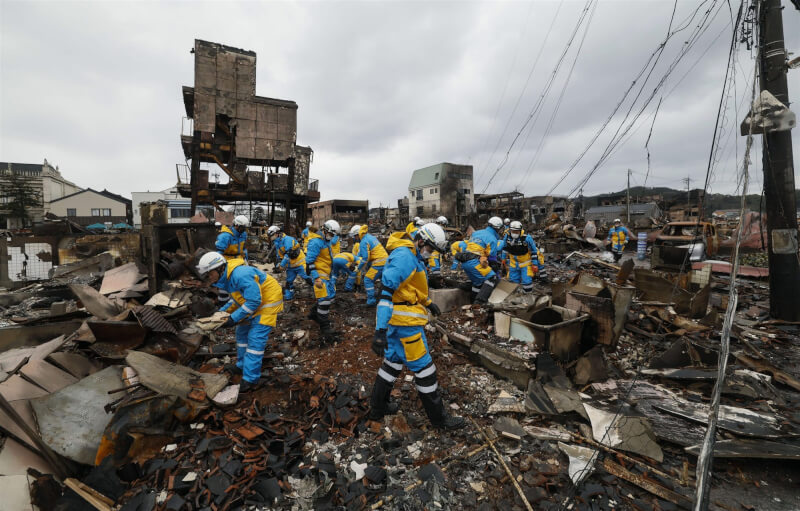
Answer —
383 88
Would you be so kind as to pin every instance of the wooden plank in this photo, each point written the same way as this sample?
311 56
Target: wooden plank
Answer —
90 495
646 484
47 376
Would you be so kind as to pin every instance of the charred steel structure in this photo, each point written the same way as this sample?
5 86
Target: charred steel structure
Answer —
250 138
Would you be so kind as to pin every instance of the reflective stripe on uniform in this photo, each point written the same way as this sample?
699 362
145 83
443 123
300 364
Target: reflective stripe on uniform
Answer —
410 314
239 345
429 389
386 376
431 369
385 303
393 365
378 262
254 352
475 289
246 309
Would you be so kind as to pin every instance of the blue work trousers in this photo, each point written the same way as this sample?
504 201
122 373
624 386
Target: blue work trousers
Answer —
373 274
251 341
477 274
291 274
409 346
522 276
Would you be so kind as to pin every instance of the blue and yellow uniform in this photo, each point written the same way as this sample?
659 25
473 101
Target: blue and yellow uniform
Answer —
255 302
618 235
319 259
371 253
293 260
231 244
523 259
402 313
343 265
474 261
305 237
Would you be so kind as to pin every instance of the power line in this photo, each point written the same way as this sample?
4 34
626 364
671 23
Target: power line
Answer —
549 84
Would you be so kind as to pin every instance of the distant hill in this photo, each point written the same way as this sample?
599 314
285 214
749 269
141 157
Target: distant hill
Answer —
712 202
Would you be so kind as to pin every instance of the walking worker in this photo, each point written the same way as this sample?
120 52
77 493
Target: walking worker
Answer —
356 246
255 303
231 240
506 226
293 260
618 237
319 259
400 325
370 254
522 256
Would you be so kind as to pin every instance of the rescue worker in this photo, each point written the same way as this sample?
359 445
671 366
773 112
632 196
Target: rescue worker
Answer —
292 258
354 280
618 237
416 222
370 254
522 256
344 264
231 240
319 259
506 225
304 235
474 256
400 325
254 306
434 265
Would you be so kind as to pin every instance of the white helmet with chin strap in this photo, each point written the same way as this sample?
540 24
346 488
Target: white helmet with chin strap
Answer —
515 229
273 230
210 261
309 224
433 236
442 220
241 220
332 227
353 232
506 221
416 220
496 222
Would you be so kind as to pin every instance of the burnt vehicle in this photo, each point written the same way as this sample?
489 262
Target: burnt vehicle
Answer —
682 243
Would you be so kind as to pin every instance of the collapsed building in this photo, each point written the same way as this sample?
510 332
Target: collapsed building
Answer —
251 138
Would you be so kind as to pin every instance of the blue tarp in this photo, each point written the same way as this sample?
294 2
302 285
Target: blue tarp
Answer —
122 225
96 226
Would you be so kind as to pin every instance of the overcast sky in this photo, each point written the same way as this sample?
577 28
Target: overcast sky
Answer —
382 89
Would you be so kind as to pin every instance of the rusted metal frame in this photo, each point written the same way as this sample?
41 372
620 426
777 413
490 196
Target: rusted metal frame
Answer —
222 166
644 483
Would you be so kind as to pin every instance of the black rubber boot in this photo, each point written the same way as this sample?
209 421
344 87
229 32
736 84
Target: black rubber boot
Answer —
327 334
485 292
434 408
379 403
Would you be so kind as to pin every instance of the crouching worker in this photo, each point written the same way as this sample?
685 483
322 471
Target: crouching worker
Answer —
292 257
343 264
320 266
400 325
474 260
256 300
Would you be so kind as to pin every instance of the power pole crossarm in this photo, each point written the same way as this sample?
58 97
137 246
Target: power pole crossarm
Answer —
779 191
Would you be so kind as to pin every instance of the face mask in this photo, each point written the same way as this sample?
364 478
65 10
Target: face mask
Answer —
515 235
328 236
426 253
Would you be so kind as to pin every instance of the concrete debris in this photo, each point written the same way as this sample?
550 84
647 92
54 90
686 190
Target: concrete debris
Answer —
624 431
581 461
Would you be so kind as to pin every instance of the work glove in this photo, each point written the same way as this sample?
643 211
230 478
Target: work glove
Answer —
318 283
228 322
435 310
484 261
379 343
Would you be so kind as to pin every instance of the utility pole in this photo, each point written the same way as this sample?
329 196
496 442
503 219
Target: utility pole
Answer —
779 191
688 180
628 220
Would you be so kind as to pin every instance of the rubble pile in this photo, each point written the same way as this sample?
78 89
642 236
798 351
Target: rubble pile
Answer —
592 392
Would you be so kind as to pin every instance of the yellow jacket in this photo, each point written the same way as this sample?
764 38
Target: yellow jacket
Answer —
242 291
405 273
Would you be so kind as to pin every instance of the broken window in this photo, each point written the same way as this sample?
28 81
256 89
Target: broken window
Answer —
72 212
419 194
420 210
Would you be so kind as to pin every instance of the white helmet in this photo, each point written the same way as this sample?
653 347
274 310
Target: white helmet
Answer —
434 236
273 230
515 226
442 220
416 220
617 221
217 224
241 220
210 261
332 226
496 222
353 232
506 221
420 223
309 224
